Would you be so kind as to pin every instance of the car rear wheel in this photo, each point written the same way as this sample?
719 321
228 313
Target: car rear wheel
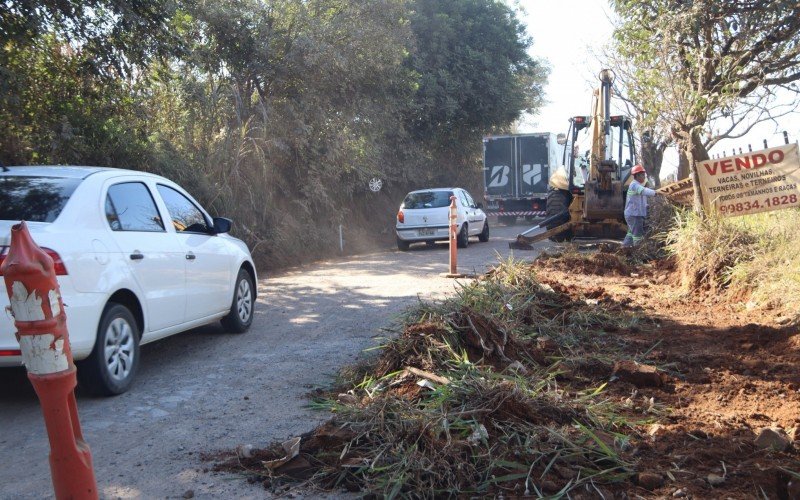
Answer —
484 236
112 365
463 236
240 317
403 246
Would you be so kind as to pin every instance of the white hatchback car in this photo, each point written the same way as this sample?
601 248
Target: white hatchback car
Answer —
424 216
137 259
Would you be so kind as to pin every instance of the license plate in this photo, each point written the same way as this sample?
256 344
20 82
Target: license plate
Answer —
426 232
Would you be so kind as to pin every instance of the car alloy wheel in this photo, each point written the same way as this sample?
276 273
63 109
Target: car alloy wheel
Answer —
119 349
240 315
244 300
111 367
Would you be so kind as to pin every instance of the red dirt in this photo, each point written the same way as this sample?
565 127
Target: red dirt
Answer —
723 373
733 372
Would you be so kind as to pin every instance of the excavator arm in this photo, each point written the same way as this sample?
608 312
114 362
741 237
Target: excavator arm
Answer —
596 208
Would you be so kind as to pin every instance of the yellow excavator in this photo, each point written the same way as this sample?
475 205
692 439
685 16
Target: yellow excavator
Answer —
589 202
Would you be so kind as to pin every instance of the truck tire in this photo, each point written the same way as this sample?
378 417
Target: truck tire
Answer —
558 201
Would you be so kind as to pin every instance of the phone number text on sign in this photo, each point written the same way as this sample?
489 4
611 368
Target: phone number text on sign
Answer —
747 206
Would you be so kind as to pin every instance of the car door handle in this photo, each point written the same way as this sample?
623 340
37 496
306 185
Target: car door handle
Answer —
137 256
190 256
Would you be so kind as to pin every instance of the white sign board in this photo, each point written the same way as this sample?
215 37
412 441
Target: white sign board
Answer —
753 182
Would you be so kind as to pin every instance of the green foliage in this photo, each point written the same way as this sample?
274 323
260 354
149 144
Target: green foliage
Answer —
697 61
473 66
115 36
275 113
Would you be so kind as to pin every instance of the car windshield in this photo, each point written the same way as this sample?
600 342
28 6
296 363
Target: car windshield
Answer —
35 199
427 199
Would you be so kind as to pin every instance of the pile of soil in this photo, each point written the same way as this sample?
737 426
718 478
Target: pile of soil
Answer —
598 263
733 373
709 392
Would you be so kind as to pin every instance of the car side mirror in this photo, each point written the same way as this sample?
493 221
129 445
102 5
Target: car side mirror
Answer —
479 205
222 225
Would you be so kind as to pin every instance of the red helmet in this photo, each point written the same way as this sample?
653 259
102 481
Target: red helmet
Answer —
637 169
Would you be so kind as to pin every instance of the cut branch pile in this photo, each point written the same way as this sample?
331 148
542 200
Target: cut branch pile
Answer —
476 395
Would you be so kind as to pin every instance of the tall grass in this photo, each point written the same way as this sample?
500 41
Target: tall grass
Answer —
753 256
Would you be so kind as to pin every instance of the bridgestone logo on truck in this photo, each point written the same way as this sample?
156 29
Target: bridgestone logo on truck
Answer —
499 176
754 182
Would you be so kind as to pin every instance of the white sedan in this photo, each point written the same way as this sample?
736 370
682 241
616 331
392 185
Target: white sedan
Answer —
424 216
137 259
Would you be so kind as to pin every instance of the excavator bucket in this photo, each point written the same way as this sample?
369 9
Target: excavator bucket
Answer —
557 223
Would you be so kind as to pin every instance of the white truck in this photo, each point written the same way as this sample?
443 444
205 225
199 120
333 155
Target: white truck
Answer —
516 171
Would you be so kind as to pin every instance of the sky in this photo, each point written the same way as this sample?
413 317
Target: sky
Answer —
568 34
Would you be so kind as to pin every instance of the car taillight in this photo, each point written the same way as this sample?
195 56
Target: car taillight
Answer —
58 264
10 352
535 206
401 217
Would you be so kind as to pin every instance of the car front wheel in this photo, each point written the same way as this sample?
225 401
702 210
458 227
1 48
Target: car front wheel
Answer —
112 365
240 317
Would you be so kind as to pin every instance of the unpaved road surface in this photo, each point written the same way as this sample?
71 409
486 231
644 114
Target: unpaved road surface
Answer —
206 390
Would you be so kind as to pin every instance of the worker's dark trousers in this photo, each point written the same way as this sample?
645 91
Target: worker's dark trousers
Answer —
635 230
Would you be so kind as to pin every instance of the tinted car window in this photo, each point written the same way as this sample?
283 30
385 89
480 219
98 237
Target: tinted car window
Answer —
130 207
428 199
186 217
38 199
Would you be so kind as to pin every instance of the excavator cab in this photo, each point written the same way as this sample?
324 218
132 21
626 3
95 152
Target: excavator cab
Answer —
587 198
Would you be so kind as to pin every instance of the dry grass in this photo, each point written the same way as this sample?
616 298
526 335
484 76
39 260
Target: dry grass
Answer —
772 274
753 256
475 396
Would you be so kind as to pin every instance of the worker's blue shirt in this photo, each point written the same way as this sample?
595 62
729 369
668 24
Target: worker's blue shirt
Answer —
636 203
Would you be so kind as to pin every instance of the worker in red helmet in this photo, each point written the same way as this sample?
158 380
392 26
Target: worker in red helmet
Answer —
636 206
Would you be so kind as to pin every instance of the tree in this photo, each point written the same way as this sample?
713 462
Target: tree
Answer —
701 59
473 72
116 36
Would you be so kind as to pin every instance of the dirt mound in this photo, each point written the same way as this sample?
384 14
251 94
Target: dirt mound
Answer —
599 263
540 380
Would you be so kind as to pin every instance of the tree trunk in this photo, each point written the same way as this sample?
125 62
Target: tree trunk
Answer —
652 159
683 164
693 151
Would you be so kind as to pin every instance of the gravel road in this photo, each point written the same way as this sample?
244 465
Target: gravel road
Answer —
206 390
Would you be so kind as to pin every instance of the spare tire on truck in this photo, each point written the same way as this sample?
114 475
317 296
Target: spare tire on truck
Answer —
558 201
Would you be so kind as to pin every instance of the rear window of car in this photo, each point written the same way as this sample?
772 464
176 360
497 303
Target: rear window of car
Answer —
36 199
428 199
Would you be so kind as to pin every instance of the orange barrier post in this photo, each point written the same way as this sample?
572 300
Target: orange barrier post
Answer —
44 341
453 236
